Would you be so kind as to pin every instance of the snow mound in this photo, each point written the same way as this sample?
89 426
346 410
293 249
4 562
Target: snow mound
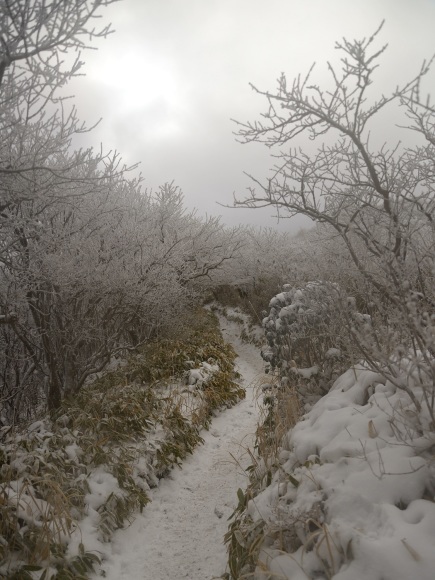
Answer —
353 497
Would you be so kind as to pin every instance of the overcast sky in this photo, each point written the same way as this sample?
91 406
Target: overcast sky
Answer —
175 72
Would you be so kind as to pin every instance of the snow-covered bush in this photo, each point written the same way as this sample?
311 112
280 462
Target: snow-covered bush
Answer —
308 336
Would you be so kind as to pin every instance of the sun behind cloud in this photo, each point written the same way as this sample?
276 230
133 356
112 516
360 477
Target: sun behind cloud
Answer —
146 85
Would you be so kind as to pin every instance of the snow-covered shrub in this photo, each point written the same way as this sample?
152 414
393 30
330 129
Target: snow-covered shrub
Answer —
308 336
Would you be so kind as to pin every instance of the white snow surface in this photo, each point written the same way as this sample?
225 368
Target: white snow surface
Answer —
180 533
357 470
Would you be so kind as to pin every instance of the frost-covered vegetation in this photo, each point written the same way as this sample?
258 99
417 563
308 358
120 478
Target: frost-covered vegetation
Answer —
91 264
69 481
345 493
347 490
343 455
110 369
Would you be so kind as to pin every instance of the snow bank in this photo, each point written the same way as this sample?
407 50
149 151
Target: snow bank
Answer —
352 498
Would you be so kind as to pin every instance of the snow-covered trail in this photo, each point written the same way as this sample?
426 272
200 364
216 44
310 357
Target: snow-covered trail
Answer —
180 533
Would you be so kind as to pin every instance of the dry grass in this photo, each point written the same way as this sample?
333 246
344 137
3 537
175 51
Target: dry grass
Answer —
279 412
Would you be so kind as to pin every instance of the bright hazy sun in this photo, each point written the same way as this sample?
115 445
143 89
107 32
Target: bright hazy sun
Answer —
145 84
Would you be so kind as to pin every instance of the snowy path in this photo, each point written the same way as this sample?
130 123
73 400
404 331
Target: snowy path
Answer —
180 533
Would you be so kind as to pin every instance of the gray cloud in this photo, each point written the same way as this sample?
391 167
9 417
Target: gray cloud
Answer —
175 72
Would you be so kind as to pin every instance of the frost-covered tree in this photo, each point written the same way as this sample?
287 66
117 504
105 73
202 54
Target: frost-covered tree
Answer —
196 248
378 198
41 43
99 274
90 264
267 255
